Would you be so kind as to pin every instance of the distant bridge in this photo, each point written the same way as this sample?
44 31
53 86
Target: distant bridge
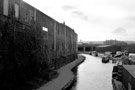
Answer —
87 47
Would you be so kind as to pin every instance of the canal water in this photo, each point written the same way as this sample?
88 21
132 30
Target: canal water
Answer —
92 74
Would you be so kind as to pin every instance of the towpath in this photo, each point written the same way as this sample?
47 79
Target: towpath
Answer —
65 76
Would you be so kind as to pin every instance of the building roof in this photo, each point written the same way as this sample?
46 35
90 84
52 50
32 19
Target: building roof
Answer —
104 45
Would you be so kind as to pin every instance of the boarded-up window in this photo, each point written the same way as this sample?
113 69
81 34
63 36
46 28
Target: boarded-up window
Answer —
16 10
5 7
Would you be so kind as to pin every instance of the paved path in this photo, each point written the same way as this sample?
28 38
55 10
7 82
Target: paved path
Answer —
65 75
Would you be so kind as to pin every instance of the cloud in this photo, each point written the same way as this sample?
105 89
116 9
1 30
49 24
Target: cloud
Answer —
80 15
129 22
120 32
68 7
126 5
123 34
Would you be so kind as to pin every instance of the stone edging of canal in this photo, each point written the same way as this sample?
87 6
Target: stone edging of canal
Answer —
69 85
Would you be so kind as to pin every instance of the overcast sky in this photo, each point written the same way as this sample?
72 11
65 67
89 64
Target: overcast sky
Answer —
93 19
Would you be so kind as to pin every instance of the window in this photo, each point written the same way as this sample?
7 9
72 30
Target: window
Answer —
16 10
5 7
26 15
45 29
35 15
31 16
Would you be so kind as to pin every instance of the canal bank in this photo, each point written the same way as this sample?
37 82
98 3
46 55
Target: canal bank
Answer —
65 77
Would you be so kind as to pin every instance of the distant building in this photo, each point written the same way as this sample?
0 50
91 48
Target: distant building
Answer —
114 42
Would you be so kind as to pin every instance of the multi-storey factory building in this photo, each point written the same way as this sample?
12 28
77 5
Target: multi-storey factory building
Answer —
30 42
17 18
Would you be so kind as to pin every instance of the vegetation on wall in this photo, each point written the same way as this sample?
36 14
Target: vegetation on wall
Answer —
24 55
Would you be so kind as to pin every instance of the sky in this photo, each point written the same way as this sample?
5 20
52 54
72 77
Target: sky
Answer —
93 20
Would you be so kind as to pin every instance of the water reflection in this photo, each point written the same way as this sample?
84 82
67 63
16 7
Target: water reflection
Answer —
92 75
74 84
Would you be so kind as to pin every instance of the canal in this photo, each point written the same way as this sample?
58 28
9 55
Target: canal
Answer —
92 74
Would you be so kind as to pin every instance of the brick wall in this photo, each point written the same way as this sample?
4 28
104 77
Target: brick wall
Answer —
59 39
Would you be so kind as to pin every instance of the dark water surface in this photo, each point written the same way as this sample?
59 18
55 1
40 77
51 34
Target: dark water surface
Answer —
92 74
